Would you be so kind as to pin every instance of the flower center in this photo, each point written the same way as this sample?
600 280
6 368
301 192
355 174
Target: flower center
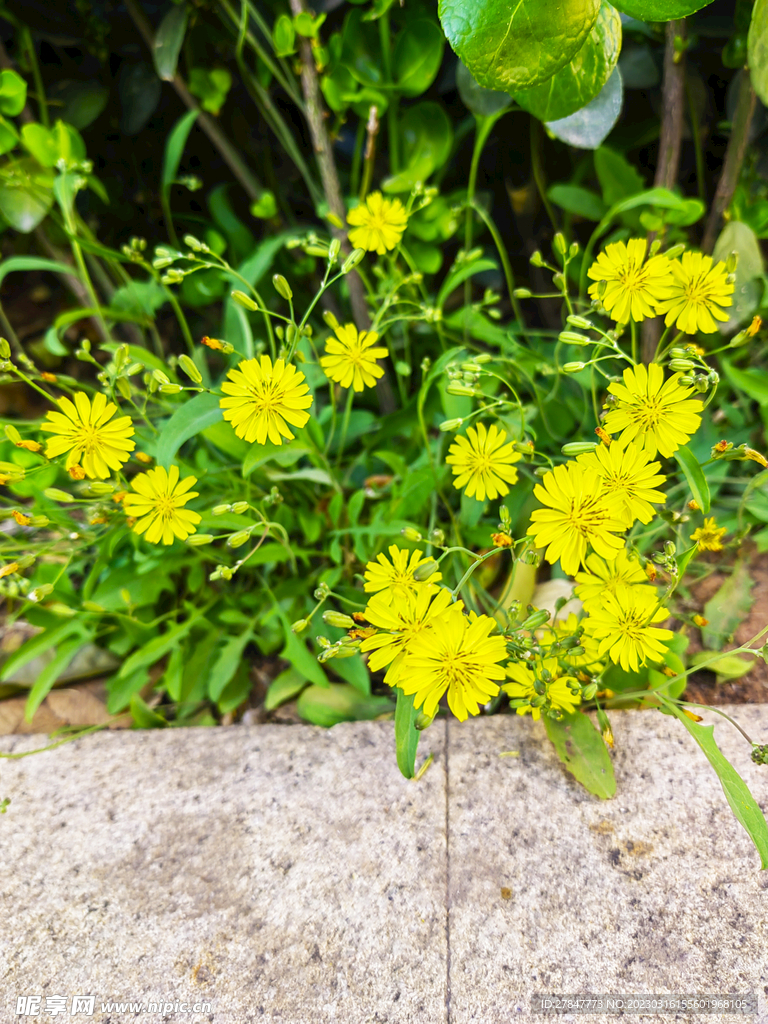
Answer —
268 396
646 411
697 290
88 438
633 277
585 515
165 507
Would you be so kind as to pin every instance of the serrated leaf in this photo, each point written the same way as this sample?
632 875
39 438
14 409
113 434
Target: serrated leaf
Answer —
515 46
581 749
660 10
168 42
191 418
589 127
695 476
579 82
728 608
339 702
757 49
737 792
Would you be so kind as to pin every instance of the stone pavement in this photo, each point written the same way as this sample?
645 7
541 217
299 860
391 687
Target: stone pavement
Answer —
287 874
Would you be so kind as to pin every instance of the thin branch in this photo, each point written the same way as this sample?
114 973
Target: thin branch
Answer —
734 158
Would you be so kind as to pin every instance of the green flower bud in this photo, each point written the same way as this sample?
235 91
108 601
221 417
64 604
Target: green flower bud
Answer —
437 537
447 425
580 321
559 244
578 448
535 620
190 369
282 287
245 301
219 510
522 293
410 534
339 619
460 390
573 367
5 349
333 250
316 250
239 507
537 259
347 650
194 243
681 365
161 377
576 652
123 387
56 495
322 591
40 521
170 389
675 251
355 257
686 382
423 721
238 539
99 488
300 626
12 433
573 251
589 691
424 571
197 540
572 338
330 319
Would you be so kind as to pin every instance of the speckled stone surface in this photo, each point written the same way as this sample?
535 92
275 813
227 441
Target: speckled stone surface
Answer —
553 891
284 874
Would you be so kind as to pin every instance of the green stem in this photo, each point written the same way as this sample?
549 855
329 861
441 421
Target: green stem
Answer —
537 135
42 105
507 266
345 425
386 58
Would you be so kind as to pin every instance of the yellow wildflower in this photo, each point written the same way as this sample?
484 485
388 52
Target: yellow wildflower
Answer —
264 399
633 287
378 224
698 294
483 463
351 358
709 536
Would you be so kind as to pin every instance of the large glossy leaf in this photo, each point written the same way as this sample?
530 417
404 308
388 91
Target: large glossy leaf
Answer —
339 703
189 419
660 10
757 49
170 36
512 46
417 57
737 792
577 84
581 749
589 127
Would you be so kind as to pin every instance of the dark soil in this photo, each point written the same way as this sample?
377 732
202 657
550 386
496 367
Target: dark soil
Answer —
753 687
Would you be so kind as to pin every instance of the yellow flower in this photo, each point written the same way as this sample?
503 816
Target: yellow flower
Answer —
143 457
351 358
624 627
698 293
379 223
602 577
658 414
580 513
627 474
553 682
401 622
457 655
483 463
9 569
265 399
158 505
84 430
396 577
20 518
31 446
709 537
633 288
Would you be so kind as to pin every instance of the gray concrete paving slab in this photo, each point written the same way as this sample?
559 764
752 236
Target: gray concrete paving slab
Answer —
279 874
553 891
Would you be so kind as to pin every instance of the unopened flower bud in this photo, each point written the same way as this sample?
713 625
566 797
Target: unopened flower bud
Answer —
522 293
330 319
300 626
424 571
448 425
681 365
686 381
436 537
559 244
460 390
239 507
190 369
333 250
99 488
56 495
170 389
245 301
535 620
573 367
347 650
572 338
338 619
573 251
579 321
732 263
355 257
160 377
423 721
411 534
589 691
675 251
5 349
282 287
220 510
197 540
238 539
537 260
669 548
578 448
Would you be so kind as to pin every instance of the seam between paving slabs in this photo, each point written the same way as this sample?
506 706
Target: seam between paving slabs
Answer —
447 876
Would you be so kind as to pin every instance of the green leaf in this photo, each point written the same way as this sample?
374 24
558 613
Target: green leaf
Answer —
728 607
190 419
406 734
581 749
354 672
211 87
589 127
580 202
51 672
660 10
695 476
727 666
144 716
174 148
49 145
24 199
9 137
417 57
514 46
748 286
227 663
482 102
618 178
462 273
27 263
339 702
283 688
757 49
579 82
157 648
751 381
284 36
427 137
737 792
13 93
168 42
38 644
